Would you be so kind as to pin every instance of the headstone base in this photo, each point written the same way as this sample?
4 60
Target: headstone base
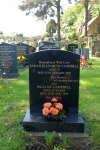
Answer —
10 75
36 122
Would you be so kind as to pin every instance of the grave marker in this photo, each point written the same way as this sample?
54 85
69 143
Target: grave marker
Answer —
8 60
23 50
77 51
31 49
48 45
72 46
54 73
85 52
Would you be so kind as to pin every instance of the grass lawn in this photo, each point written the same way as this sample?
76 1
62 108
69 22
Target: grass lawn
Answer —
14 102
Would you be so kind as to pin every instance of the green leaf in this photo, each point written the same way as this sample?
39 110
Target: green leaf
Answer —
69 143
53 134
64 138
47 134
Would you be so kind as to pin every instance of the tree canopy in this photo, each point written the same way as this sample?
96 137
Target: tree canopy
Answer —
71 19
42 9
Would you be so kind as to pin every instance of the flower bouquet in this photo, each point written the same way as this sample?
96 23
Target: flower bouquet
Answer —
53 110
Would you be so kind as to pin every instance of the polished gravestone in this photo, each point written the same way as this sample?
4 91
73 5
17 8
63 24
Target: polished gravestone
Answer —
8 60
77 51
71 47
48 45
85 52
54 73
23 50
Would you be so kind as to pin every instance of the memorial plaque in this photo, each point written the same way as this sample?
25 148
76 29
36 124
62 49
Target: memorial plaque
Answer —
54 73
85 52
77 51
70 47
8 60
23 50
48 45
31 49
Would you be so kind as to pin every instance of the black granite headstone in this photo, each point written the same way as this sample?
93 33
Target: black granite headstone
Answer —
31 49
54 73
72 46
8 60
23 50
48 45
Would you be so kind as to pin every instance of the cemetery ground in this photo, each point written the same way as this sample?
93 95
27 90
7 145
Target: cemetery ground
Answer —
14 102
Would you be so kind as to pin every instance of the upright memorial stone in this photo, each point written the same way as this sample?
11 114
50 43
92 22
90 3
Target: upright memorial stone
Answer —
85 52
72 46
77 51
23 50
54 73
95 47
8 60
48 45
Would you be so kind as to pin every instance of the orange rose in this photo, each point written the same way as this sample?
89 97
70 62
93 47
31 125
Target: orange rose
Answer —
54 100
45 111
47 105
52 109
55 111
59 105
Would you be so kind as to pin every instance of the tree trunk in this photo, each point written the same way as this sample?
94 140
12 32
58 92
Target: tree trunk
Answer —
58 20
86 17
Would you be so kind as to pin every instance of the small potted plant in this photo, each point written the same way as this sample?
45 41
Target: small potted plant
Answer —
53 110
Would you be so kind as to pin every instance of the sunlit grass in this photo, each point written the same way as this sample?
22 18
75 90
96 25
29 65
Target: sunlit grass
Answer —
14 102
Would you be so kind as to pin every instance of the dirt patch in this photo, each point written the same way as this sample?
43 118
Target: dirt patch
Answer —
39 143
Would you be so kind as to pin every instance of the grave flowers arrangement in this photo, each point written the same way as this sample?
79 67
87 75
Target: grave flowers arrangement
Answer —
53 110
21 61
85 63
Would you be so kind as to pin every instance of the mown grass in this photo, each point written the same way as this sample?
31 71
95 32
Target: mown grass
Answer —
14 102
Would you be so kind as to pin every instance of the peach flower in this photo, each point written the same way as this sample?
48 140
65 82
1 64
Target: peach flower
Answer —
45 111
59 105
52 109
55 111
47 105
54 100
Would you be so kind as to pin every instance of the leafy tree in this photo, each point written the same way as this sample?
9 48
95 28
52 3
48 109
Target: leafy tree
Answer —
86 4
95 11
51 25
42 9
71 19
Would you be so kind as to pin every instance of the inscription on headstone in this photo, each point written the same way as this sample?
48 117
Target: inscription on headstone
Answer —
48 45
8 60
54 73
72 46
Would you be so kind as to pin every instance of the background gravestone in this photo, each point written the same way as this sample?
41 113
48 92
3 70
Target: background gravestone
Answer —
48 45
54 73
8 57
95 47
85 52
70 47
31 49
77 51
23 50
